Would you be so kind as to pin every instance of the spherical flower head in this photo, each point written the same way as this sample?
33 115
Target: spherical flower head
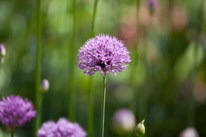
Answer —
69 129
45 85
103 53
78 131
2 50
48 129
123 121
62 128
189 132
16 111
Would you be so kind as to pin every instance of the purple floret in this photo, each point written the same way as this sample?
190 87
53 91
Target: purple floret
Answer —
104 54
16 111
63 128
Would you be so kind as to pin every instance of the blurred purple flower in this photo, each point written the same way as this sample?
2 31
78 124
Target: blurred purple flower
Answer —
2 53
189 132
2 50
45 85
123 121
48 129
63 128
16 111
104 54
152 3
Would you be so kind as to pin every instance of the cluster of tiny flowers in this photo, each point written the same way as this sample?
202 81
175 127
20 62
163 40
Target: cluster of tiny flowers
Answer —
16 111
104 54
63 128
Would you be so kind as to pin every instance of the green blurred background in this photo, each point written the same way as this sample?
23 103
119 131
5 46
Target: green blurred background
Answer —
170 74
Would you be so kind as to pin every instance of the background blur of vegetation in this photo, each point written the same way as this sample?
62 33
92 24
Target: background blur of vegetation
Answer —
171 62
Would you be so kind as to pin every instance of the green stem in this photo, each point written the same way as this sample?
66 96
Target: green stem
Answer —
38 65
134 64
91 82
94 16
191 100
12 133
91 107
71 63
132 80
103 107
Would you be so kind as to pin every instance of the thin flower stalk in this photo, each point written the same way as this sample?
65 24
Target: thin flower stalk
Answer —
91 82
191 101
103 54
38 64
71 63
134 65
103 107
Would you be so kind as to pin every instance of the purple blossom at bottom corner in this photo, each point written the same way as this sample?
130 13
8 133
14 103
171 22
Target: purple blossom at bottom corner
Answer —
16 111
62 128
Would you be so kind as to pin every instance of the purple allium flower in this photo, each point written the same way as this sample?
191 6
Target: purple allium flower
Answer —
123 121
45 85
48 129
189 132
16 111
63 128
2 50
104 54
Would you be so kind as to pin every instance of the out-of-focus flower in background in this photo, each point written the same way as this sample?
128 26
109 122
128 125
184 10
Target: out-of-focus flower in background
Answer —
144 15
2 52
189 132
179 18
16 111
45 85
123 121
128 27
152 5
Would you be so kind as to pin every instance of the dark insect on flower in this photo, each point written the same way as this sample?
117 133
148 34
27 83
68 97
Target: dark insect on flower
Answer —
104 54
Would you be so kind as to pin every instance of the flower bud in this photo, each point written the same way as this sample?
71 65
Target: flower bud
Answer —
140 129
45 85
